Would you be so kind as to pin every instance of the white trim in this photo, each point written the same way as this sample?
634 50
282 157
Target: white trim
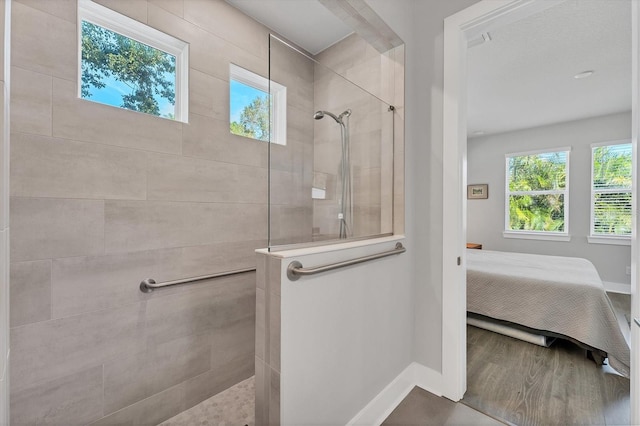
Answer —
530 235
538 151
635 248
278 97
612 287
379 408
607 143
128 27
610 239
553 236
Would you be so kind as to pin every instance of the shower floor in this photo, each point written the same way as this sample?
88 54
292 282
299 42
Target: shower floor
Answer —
234 406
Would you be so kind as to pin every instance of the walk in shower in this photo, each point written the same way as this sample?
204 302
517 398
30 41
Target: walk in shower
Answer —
333 180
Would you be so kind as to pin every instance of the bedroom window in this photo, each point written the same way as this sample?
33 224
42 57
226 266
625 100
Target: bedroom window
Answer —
611 189
537 195
127 64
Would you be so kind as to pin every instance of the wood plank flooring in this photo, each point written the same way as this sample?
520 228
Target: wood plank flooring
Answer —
526 384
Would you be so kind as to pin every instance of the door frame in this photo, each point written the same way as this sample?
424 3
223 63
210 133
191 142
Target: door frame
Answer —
458 28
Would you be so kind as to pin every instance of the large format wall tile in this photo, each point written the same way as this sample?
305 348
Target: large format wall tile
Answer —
89 121
44 228
208 52
30 292
206 137
208 95
49 167
30 102
85 284
42 42
230 24
162 366
72 400
52 349
175 178
132 226
135 9
65 9
174 6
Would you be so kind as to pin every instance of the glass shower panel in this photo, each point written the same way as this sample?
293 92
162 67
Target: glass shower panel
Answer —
333 179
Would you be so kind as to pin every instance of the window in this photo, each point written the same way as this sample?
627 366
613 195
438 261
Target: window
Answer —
537 192
252 112
611 189
127 64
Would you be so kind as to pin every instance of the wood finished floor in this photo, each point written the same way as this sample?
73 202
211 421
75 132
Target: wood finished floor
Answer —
526 384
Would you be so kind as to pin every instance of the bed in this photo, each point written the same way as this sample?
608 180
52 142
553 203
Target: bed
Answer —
548 295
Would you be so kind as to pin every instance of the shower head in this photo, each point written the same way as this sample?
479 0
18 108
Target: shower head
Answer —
318 115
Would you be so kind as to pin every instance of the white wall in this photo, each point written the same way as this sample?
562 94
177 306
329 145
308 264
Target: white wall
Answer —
486 164
420 23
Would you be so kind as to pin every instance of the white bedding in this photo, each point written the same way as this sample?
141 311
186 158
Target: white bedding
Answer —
562 295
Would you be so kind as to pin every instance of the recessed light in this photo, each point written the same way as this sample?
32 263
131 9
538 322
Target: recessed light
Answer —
478 133
584 74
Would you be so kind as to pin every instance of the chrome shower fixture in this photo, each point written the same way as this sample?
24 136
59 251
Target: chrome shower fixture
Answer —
320 115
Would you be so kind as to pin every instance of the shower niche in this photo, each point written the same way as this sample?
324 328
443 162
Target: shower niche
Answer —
333 180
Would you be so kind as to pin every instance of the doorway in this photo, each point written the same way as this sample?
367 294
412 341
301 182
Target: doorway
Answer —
459 28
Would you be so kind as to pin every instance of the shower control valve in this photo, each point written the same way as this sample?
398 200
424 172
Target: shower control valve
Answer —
340 216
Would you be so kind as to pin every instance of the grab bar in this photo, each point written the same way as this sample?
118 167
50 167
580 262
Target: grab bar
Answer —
295 269
147 286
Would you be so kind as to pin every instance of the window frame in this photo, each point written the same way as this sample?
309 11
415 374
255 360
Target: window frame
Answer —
278 100
537 235
592 238
130 28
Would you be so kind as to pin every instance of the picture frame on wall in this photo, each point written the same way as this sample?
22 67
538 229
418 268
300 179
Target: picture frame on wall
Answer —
478 192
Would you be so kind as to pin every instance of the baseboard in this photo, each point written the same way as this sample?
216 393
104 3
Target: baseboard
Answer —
617 287
376 411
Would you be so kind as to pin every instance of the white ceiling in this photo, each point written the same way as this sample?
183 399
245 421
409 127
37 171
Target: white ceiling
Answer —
523 77
305 22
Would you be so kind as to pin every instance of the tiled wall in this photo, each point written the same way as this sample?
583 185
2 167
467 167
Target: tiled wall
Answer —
103 198
4 222
372 77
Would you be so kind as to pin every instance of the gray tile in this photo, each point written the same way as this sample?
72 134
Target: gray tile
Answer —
174 6
135 9
208 95
206 137
208 53
217 380
43 228
274 397
65 9
274 332
52 349
216 306
230 24
233 341
137 225
71 400
84 284
30 101
84 120
261 328
262 395
150 411
129 380
48 167
30 292
42 42
175 178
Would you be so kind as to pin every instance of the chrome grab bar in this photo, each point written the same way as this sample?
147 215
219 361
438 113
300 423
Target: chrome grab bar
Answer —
147 286
637 321
295 269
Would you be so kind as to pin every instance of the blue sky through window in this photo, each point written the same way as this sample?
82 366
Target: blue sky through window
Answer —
241 95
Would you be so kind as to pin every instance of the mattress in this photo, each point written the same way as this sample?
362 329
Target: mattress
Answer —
560 295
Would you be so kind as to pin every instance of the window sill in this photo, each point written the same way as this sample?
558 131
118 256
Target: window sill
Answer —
616 241
536 236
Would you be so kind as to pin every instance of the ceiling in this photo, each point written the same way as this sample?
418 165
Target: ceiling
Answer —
305 22
524 76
